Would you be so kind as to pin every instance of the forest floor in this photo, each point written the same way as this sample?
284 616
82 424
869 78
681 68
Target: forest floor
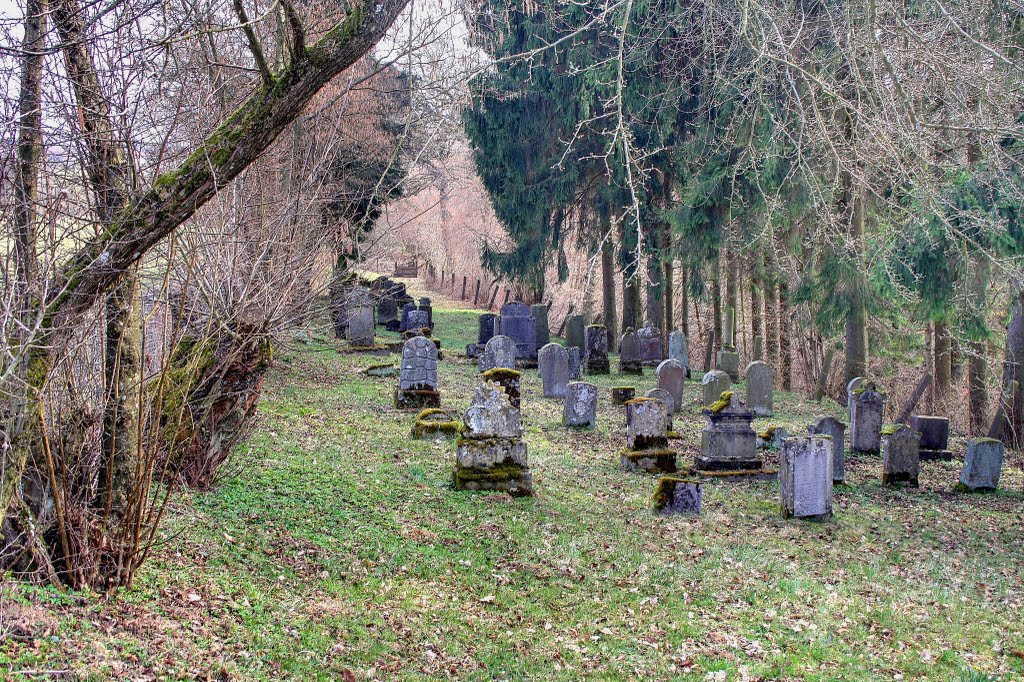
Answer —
338 550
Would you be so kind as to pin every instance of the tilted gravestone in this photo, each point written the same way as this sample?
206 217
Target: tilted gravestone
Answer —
575 362
805 477
866 406
678 350
728 360
491 454
575 333
553 364
678 497
629 354
417 381
713 384
901 450
652 351
539 312
983 464
580 407
760 388
500 351
830 426
728 441
360 317
647 437
595 355
672 377
934 436
515 322
406 309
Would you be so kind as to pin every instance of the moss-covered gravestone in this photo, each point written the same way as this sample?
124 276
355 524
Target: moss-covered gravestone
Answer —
435 423
728 441
510 381
678 497
901 455
647 437
713 385
417 381
983 464
805 477
490 453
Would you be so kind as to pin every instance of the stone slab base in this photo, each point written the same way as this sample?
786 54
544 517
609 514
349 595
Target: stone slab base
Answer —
600 367
417 400
936 456
738 475
649 461
728 464
905 480
511 479
631 368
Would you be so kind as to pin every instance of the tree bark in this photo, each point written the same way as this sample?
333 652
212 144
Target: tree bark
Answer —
1011 430
943 360
756 314
716 303
771 318
608 291
977 364
785 347
684 302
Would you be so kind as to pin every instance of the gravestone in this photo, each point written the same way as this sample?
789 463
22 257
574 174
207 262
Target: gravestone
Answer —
852 386
678 350
620 395
509 379
901 447
417 320
714 383
575 362
575 333
360 317
830 426
580 407
595 354
485 328
436 423
417 381
983 464
866 406
652 351
728 441
387 311
678 497
553 363
728 360
760 388
491 454
665 397
429 310
672 377
805 478
772 438
934 437
629 354
539 312
647 437
500 351
515 322
406 309
758 348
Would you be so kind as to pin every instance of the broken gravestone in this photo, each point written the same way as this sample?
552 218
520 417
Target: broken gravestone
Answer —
647 437
490 454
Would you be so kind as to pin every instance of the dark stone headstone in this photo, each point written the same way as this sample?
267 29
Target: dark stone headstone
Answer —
553 364
575 333
629 354
866 405
406 309
417 382
539 312
575 362
678 497
934 436
485 328
515 322
901 455
728 441
595 355
652 350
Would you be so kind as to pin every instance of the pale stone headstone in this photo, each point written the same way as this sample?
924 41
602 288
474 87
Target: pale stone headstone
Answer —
665 397
728 441
580 408
760 388
500 351
672 377
728 361
553 364
678 497
678 350
713 383
595 355
805 477
866 405
515 322
575 362
901 447
361 325
758 353
629 354
934 436
490 454
647 437
830 426
539 312
417 381
852 386
652 351
575 333
983 464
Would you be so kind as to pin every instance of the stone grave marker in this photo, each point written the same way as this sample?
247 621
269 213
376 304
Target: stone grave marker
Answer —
595 355
491 454
508 379
620 395
575 333
805 477
406 309
672 377
553 363
830 426
629 354
500 351
901 450
728 441
713 384
580 407
361 325
575 362
665 397
427 308
678 350
728 360
515 322
866 406
678 497
417 380
760 388
983 464
934 437
647 437
652 351
539 312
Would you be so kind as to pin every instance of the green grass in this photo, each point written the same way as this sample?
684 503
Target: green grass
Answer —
340 545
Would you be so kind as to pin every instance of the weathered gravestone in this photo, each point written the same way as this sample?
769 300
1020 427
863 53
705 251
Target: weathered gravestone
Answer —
417 381
406 309
490 454
866 405
665 397
728 360
830 426
772 438
436 423
983 464
515 322
500 351
485 332
595 355
672 377
360 317
678 350
575 362
758 353
429 310
852 386
901 447
575 333
934 436
713 384
580 407
728 441
417 321
678 497
760 388
508 379
652 351
805 477
629 354
620 395
553 363
539 312
387 311
647 437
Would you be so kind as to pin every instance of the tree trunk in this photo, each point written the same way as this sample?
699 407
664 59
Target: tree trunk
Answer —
771 318
756 314
856 349
977 367
655 282
1012 430
716 303
785 347
608 291
943 360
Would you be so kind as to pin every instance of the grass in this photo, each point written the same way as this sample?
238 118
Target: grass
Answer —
340 551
